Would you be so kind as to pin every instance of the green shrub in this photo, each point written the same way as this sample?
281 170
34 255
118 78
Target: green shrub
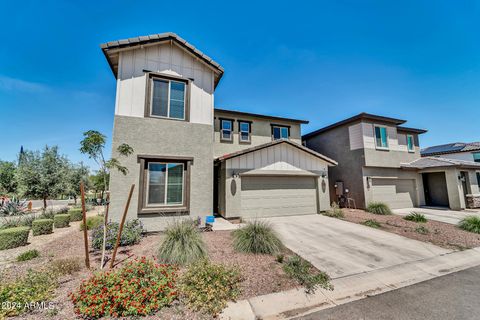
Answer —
279 258
65 266
75 214
42 226
17 221
13 237
256 237
93 222
28 255
131 234
372 223
183 244
334 212
300 270
422 230
13 208
34 287
379 208
61 220
415 217
139 288
208 287
62 210
47 214
470 223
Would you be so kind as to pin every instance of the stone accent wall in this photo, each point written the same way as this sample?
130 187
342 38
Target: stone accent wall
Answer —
473 201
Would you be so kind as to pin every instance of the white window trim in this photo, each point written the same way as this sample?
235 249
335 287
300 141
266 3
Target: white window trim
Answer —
375 137
157 205
221 130
168 98
280 127
413 143
240 131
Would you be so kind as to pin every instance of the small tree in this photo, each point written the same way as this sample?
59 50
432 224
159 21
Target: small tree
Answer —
8 184
97 182
76 173
42 175
92 145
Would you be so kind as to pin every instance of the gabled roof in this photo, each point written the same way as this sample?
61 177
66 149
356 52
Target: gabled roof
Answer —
436 162
111 49
450 148
273 143
256 115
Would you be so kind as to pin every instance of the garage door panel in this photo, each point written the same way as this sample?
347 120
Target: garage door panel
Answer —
277 196
397 193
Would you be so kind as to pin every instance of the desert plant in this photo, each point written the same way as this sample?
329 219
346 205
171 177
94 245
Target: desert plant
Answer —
379 208
13 208
306 274
422 230
93 222
470 223
131 234
75 214
47 214
28 255
65 266
62 210
334 212
280 258
13 237
208 287
17 221
42 226
372 223
61 220
415 217
139 288
183 243
256 237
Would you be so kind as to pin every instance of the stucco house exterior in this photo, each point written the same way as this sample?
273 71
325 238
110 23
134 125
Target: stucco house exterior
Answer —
192 160
379 161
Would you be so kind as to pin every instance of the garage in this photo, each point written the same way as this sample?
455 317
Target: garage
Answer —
268 196
397 193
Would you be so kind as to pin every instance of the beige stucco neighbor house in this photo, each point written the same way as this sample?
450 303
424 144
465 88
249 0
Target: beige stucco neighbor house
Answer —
192 160
379 161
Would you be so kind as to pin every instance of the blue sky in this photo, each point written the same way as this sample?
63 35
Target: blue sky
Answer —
323 61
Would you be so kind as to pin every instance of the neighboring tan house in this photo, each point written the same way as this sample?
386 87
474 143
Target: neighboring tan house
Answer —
190 160
379 161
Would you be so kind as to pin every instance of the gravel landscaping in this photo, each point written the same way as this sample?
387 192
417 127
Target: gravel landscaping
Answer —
441 234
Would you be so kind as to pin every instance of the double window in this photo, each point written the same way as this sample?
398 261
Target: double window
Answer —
226 131
381 137
280 132
410 143
165 183
167 98
244 131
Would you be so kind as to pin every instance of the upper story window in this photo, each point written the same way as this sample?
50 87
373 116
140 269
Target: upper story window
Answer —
410 143
280 132
167 99
476 157
381 137
226 130
244 131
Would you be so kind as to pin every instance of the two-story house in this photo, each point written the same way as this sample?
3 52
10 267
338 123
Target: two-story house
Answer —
379 161
191 160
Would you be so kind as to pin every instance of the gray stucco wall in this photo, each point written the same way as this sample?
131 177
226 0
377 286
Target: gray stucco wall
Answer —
261 133
163 138
335 144
389 159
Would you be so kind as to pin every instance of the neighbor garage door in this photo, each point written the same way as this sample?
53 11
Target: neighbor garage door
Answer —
397 193
266 196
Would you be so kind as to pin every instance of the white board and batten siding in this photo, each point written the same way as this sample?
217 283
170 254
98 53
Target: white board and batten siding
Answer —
279 157
396 141
170 59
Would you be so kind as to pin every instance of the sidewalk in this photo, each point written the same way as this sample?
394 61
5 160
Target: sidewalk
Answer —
442 215
283 305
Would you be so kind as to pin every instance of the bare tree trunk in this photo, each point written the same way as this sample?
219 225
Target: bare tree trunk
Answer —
75 199
105 222
45 203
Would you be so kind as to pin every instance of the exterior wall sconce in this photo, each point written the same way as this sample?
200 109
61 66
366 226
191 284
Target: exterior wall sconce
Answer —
369 182
461 178
235 175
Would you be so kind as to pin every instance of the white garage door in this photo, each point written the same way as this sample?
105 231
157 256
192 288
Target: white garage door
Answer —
265 196
397 193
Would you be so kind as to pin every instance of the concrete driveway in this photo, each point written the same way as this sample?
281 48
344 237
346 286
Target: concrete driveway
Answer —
442 215
343 248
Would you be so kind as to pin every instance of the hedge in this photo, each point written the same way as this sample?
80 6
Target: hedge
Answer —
75 214
62 220
13 237
42 226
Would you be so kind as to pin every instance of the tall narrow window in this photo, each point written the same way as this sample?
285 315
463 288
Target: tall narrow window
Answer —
168 99
279 132
165 184
244 131
381 137
226 129
410 143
